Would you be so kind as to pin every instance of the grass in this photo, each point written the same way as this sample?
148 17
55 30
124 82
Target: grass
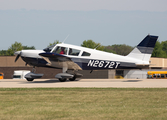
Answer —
83 103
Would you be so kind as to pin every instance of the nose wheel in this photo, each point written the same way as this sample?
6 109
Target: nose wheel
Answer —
33 71
32 75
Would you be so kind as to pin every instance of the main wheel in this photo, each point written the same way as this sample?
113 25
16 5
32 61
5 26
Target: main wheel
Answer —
29 79
72 79
62 79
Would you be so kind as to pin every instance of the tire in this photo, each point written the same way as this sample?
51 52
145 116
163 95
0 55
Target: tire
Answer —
62 79
29 79
72 79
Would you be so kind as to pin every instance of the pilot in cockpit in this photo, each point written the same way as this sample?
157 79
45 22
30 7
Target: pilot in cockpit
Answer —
62 50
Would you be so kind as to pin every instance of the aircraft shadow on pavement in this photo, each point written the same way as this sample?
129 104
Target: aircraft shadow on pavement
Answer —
57 81
132 81
42 81
47 81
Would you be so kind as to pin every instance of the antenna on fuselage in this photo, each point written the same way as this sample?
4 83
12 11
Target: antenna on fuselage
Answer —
66 38
97 46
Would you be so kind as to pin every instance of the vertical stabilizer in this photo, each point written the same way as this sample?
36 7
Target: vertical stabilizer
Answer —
144 49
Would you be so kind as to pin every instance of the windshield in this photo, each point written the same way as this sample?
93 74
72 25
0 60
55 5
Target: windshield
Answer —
60 50
48 49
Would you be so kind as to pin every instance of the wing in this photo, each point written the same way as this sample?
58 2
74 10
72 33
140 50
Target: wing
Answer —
60 61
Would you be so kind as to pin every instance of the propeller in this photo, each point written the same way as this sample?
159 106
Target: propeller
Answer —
18 53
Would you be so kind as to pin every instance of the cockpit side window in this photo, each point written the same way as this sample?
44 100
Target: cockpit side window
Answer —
85 54
60 50
73 52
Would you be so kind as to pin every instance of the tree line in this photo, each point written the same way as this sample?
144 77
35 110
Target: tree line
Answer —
160 49
13 48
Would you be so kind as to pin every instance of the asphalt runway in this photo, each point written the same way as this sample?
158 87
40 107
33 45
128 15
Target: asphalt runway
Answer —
85 83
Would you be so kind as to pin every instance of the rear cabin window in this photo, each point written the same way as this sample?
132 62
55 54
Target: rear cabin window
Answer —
85 54
60 50
73 52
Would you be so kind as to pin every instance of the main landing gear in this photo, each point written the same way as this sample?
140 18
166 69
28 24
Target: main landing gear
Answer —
64 79
29 79
64 76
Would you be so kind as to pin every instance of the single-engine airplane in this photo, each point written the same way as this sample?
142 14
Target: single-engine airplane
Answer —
70 57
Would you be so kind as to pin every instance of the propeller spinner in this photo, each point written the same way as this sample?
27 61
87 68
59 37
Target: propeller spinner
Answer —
18 53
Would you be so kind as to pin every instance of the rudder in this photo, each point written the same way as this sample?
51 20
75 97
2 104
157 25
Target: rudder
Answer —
144 49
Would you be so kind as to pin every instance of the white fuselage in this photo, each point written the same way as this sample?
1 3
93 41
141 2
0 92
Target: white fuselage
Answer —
100 55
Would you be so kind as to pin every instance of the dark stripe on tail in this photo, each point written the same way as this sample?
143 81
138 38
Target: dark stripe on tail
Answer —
148 41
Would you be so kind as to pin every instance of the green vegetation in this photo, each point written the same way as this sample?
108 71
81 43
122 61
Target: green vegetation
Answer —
92 44
55 42
83 103
13 48
119 49
160 49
